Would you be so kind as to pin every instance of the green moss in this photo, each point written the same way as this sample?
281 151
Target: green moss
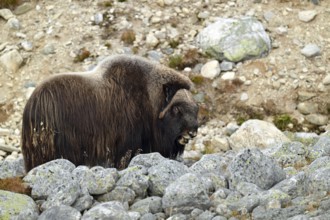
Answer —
175 62
128 36
174 43
282 121
197 79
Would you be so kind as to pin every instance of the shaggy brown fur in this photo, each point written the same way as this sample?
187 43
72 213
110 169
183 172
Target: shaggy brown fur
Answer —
103 116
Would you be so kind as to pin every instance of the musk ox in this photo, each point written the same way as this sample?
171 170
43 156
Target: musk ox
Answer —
125 106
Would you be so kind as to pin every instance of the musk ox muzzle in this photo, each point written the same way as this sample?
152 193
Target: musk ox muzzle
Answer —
125 106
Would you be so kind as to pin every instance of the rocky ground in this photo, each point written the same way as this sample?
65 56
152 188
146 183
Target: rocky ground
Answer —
289 86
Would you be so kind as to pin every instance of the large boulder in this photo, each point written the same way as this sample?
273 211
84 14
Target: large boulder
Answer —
235 39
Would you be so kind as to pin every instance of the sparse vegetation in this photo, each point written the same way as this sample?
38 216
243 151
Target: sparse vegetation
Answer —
175 62
105 4
191 58
174 43
83 53
282 121
9 3
15 184
128 36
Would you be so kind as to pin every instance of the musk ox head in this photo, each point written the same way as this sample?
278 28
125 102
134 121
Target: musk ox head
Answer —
180 121
126 105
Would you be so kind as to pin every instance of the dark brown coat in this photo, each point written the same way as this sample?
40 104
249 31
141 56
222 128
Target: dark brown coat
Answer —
105 116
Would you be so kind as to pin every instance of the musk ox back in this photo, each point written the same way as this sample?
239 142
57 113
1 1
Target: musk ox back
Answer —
126 105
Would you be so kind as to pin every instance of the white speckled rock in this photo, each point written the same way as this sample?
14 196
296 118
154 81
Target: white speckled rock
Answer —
211 69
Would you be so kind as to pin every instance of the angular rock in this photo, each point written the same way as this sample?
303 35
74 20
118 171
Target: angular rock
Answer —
317 119
326 80
320 148
14 24
136 180
307 108
151 204
147 160
23 8
226 65
97 180
120 193
83 202
184 195
234 39
108 210
54 182
60 212
261 213
17 206
294 186
12 168
211 69
311 50
254 167
307 16
161 175
6 14
256 134
11 60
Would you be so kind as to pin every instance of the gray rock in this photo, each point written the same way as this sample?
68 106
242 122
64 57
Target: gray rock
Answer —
108 210
59 213
299 217
17 206
12 168
319 180
14 24
6 14
27 45
148 216
147 160
219 218
307 108
294 186
185 194
291 154
119 193
244 205
311 50
326 80
256 133
274 198
207 215
269 15
151 204
54 182
211 69
134 215
179 216
234 39
83 202
226 65
136 180
155 55
214 163
11 60
161 175
253 166
320 148
48 49
23 8
98 18
97 180
317 119
261 213
307 16
246 188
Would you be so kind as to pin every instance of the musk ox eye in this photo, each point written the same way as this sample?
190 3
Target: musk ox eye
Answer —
176 110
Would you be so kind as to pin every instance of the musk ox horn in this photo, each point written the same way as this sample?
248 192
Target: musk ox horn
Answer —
107 115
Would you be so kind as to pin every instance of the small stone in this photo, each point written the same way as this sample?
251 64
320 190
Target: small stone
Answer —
11 60
282 30
226 65
244 96
307 108
98 18
48 49
228 76
211 69
307 16
23 8
203 15
151 40
310 50
304 96
317 119
27 45
14 24
269 15
168 2
326 80
6 14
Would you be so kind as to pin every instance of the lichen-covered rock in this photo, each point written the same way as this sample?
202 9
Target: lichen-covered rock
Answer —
161 175
147 160
83 202
17 206
235 39
294 186
320 148
60 212
113 210
214 163
136 179
256 134
119 193
185 194
12 168
54 182
151 204
97 180
261 213
319 180
253 166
